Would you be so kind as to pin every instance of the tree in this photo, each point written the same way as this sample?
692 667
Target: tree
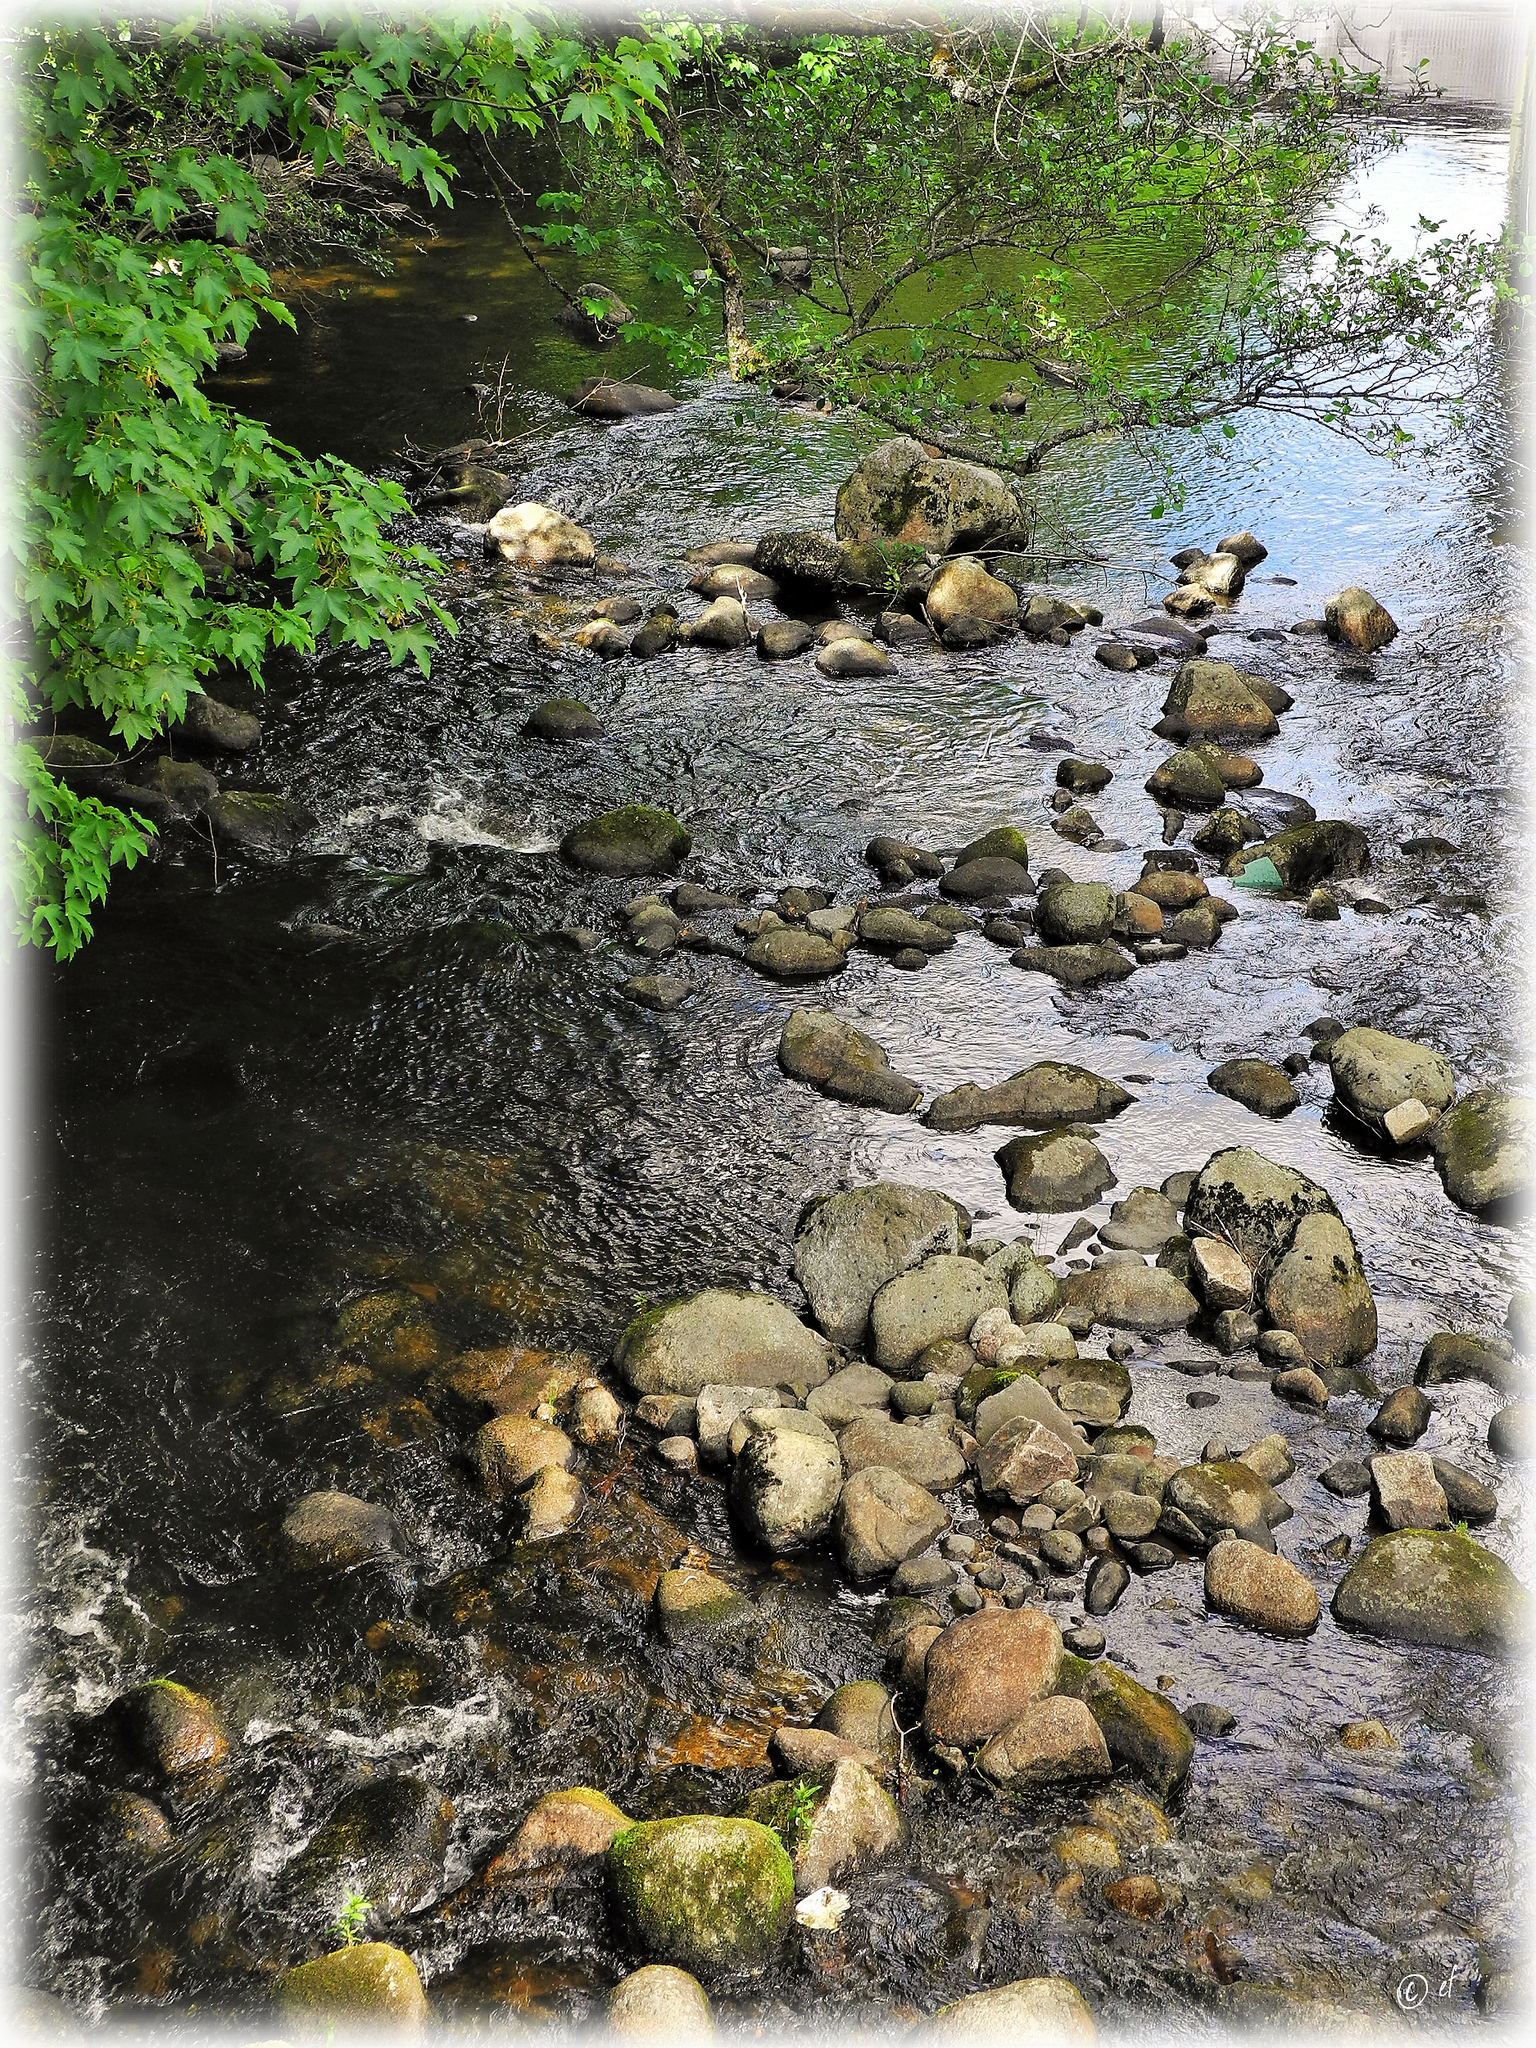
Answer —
158 534
1128 214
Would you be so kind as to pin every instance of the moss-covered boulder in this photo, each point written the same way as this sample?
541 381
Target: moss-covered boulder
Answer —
1254 1203
1050 1092
370 1988
1003 842
1140 1728
900 493
724 1337
1325 850
635 839
1433 1586
706 1894
1483 1148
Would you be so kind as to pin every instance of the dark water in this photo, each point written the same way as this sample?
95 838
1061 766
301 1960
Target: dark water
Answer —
249 1128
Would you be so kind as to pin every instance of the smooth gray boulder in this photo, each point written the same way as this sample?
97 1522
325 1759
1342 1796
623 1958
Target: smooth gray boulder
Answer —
721 1337
937 1300
1075 913
882 1519
1053 1173
843 1063
785 1487
1049 1092
1252 1202
1375 1073
1319 1292
927 1457
1483 1149
852 1243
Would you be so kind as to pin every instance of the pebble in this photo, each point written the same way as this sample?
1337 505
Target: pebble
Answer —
1201 1397
680 1452
1084 1641
1208 1723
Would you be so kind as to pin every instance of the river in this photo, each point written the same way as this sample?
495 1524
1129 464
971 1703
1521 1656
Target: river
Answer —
244 1129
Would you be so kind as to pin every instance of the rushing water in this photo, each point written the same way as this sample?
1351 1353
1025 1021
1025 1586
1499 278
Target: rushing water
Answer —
249 1125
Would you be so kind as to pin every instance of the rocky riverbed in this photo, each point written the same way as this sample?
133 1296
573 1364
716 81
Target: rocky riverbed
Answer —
806 1310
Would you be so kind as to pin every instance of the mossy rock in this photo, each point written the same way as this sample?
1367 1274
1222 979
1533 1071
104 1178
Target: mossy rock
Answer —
1140 1728
391 1332
1437 1588
369 1986
708 1895
1004 842
1254 1203
635 839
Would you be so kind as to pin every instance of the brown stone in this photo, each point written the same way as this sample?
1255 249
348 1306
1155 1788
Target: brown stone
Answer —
985 1669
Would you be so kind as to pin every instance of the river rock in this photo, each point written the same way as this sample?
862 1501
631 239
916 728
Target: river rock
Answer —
1189 781
510 1451
1049 1092
1003 842
692 1606
1253 1203
853 657
963 589
1221 1275
1140 1728
718 1408
1170 889
721 1337
1032 1287
635 839
925 1456
1482 1147
1355 618
1257 1085
853 1243
810 558
1512 1432
787 953
1075 913
657 636
537 536
1435 1588
785 1487
1146 1298
1319 1292
781 639
660 2004
1405 1494
1466 1497
1223 1495
721 624
370 1989
550 1505
850 1395
985 1669
733 579
882 1519
1025 1398
208 723
171 1730
563 718
1022 1458
1054 1740
1131 1517
706 1894
1055 1172
1213 700
859 1712
1450 1356
1325 850
1076 966
566 1828
1108 1578
899 493
1402 1418
1143 1222
843 1063
1248 1584
1043 2010
889 930
851 1824
926 1304
1375 1073
993 879
384 1840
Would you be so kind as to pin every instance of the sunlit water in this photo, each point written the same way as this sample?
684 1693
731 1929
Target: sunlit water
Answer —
246 1130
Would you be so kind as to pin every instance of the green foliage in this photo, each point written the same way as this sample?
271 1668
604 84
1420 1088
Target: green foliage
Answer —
159 535
795 1812
346 1930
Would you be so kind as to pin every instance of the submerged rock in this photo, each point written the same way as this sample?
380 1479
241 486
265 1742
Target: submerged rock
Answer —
706 1894
1434 1587
693 1606
171 1730
723 1337
385 1841
843 1063
335 1532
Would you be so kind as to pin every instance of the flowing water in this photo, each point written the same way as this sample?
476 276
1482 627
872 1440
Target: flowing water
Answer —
249 1125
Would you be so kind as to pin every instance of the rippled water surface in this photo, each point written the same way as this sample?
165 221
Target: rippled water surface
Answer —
250 1126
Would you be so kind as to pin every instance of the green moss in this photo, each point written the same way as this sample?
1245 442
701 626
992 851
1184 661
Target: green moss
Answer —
635 839
702 1893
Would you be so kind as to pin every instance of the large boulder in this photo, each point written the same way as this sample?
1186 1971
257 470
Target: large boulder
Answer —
1075 913
331 1531
927 1304
599 398
1253 1203
785 1486
1148 1299
1053 1740
1223 1494
800 558
843 1062
1189 780
1324 850
926 1457
1049 1092
985 1669
787 953
1252 1585
900 493
852 1243
1211 700
1048 2011
635 839
1319 1292
1434 1587
721 624
509 1452
1482 1147
1374 1073
722 1337
538 537
963 589
1054 1172
706 1894
369 1990
1356 619
883 1519
1451 1355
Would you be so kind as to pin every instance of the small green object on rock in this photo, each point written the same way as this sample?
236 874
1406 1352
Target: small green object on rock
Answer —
367 1985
